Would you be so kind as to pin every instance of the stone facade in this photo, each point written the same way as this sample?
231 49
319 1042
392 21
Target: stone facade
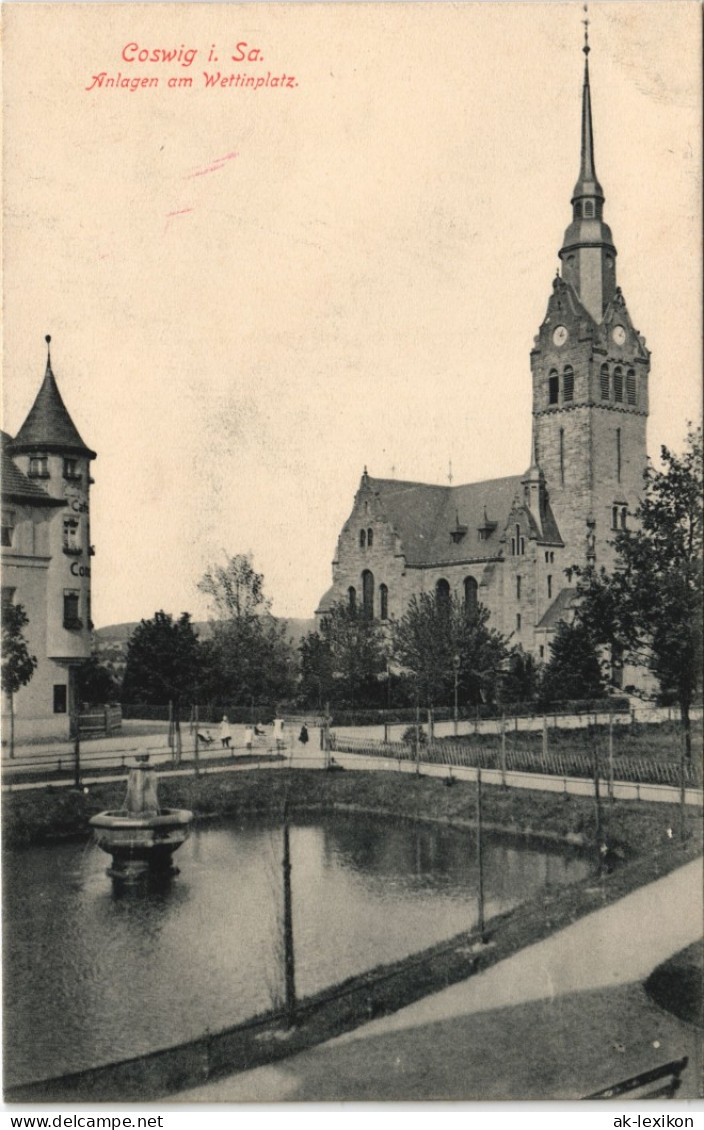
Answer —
508 542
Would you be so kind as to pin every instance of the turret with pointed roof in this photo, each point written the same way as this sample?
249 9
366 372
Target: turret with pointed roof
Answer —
48 426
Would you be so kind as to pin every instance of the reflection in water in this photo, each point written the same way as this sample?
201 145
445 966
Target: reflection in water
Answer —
94 973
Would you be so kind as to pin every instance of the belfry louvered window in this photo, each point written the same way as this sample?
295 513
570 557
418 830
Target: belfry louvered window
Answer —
618 385
631 386
604 382
568 383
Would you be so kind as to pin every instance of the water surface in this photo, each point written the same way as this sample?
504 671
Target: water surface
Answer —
93 975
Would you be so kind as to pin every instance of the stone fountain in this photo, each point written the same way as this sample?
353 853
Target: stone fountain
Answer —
142 836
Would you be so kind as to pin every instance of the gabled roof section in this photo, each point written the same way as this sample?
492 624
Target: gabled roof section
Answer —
425 516
16 487
558 610
49 425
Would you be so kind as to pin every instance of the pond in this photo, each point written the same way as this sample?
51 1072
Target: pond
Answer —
93 974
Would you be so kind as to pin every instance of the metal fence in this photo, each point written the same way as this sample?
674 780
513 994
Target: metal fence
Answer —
639 770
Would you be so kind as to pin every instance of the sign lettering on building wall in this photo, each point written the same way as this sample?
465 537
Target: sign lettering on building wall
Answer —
79 570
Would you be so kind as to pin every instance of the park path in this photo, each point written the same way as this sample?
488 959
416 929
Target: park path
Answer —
559 1019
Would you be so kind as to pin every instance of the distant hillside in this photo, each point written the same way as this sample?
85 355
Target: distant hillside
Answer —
114 637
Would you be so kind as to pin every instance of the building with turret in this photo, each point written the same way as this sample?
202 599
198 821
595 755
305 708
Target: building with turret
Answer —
46 555
506 543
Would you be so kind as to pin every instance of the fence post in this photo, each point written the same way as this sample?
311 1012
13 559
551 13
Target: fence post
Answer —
545 742
480 859
196 749
503 751
77 750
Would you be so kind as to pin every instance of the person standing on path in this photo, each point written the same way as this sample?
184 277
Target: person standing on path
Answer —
303 736
225 732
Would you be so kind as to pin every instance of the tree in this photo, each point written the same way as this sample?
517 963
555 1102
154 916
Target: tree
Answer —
650 608
17 664
521 678
96 682
434 630
250 658
573 670
163 661
235 589
317 685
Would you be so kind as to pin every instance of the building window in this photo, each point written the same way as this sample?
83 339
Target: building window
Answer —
362 538
71 469
518 621
618 385
72 620
604 382
631 386
383 602
562 456
518 543
549 587
60 698
518 588
370 538
470 596
368 594
614 517
568 383
442 595
618 454
553 388
8 597
39 466
541 651
352 597
624 517
8 527
72 542
588 209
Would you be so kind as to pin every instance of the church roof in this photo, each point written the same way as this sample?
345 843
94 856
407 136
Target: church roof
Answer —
15 485
442 525
48 424
557 611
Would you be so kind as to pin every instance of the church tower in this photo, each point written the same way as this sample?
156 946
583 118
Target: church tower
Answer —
590 377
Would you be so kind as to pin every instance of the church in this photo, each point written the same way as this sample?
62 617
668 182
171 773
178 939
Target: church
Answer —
46 557
506 543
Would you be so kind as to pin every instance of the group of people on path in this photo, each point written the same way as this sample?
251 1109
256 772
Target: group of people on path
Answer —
255 731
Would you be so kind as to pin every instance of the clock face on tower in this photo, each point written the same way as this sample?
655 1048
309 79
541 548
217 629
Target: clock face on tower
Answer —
560 335
618 334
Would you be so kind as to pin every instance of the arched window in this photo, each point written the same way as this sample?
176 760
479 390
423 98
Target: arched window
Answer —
624 517
442 594
470 596
604 378
352 597
368 594
518 543
631 386
553 387
614 517
618 385
370 538
618 455
549 586
383 602
362 538
568 383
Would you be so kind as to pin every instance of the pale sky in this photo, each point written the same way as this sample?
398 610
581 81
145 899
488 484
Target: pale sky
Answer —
252 294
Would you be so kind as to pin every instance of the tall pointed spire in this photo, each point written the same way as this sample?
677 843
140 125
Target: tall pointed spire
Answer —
587 183
588 254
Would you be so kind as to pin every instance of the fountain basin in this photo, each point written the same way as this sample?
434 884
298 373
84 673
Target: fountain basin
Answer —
141 837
